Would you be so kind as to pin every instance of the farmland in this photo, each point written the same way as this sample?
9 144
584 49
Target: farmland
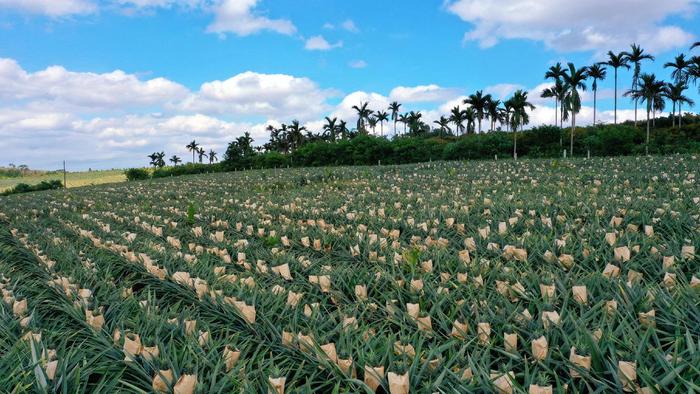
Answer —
73 179
536 275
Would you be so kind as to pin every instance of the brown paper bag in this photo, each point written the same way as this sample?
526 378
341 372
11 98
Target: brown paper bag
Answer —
503 382
510 343
162 381
374 376
540 348
535 389
484 332
150 353
583 362
459 330
277 385
132 346
627 373
398 384
580 294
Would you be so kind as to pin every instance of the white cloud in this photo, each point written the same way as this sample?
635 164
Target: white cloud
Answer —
161 3
358 64
502 91
238 17
422 93
250 93
52 8
318 43
350 26
572 25
59 88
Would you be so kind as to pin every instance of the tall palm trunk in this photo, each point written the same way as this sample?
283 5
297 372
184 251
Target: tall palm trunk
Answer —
381 125
680 115
673 115
646 148
573 127
394 126
556 109
615 95
515 143
595 93
479 125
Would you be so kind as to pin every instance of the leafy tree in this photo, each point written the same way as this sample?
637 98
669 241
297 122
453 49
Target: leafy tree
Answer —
648 90
193 147
458 116
493 109
175 159
444 124
679 66
574 79
555 73
520 117
636 56
596 72
212 156
674 92
617 61
201 153
330 128
479 102
394 108
382 116
363 114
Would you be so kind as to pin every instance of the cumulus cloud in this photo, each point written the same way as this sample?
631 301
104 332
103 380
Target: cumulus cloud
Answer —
57 87
250 93
238 17
573 25
318 43
358 64
350 26
422 93
52 8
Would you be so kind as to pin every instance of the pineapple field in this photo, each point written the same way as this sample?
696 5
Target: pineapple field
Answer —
535 276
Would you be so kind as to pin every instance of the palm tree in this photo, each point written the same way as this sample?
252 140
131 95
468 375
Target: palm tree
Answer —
574 80
201 153
192 146
343 129
520 117
674 92
493 109
154 158
470 116
680 67
295 134
382 117
548 93
363 114
458 116
555 73
372 121
444 123
479 102
174 159
648 90
212 156
394 108
617 61
695 45
414 122
635 56
403 118
330 128
596 72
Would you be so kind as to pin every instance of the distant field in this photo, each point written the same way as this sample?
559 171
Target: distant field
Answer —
74 179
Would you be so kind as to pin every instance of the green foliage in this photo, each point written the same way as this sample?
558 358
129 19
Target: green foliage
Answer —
25 188
137 174
191 211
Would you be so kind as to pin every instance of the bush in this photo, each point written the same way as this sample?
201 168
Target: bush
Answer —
25 188
137 174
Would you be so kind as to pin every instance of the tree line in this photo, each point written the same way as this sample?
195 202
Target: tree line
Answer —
510 115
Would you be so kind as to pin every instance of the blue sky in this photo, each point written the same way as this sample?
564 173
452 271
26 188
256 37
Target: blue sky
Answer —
102 83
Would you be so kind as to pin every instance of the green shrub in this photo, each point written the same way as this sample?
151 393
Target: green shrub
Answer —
137 174
25 188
